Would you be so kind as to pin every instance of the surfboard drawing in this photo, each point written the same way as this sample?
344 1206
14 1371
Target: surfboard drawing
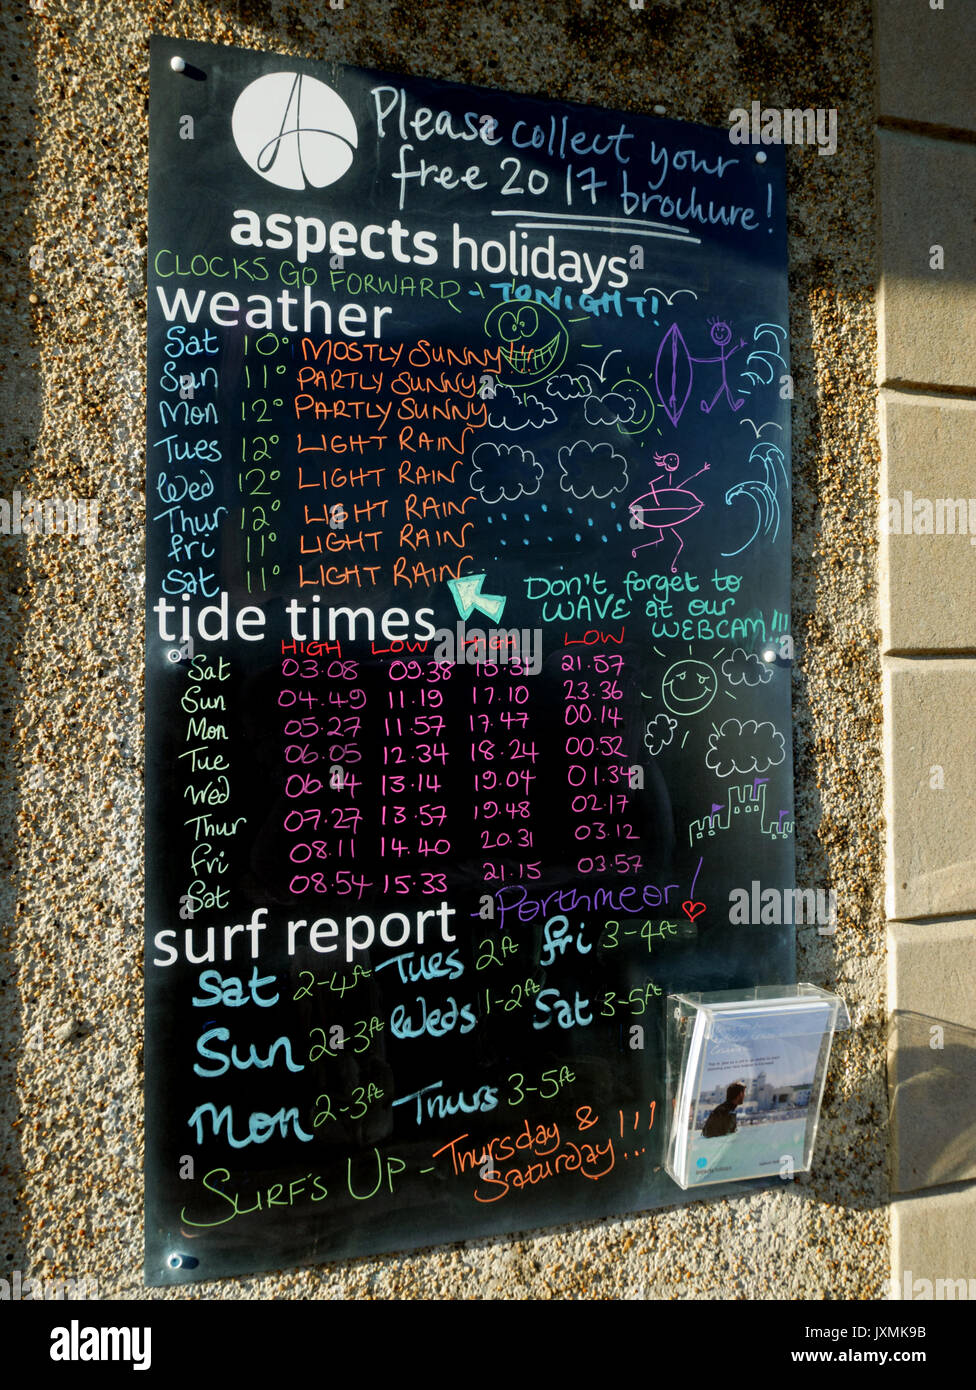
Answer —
673 373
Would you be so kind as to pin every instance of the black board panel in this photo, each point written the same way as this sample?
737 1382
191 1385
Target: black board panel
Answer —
468 651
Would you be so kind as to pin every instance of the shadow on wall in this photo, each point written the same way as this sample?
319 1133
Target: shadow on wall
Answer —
932 1075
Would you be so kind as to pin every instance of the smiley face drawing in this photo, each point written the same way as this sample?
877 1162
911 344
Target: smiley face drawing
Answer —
689 687
533 341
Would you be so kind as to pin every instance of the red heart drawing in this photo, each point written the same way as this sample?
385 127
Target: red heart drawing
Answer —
693 910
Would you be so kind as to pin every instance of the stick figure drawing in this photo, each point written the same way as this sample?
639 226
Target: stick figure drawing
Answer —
721 336
666 506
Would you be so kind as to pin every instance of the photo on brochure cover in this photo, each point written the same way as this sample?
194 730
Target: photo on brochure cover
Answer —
755 1085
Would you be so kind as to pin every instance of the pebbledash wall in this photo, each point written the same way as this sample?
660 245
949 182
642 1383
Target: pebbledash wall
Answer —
72 326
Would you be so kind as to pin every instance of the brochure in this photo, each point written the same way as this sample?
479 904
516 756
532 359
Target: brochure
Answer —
752 1073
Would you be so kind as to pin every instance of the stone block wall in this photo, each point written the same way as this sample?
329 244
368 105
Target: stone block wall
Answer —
926 191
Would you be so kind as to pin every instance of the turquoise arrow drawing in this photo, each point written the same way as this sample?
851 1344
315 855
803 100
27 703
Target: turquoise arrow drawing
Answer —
468 597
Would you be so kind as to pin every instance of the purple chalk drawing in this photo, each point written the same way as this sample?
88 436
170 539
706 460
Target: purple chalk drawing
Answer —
674 369
673 373
721 335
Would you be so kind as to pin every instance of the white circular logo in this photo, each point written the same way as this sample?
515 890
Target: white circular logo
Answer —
294 130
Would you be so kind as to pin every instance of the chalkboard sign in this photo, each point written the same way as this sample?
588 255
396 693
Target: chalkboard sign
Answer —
468 650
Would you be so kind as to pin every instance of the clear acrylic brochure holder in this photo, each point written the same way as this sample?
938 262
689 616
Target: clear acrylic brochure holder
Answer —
746 1072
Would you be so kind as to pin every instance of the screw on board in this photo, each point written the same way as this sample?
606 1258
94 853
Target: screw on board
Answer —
176 1259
